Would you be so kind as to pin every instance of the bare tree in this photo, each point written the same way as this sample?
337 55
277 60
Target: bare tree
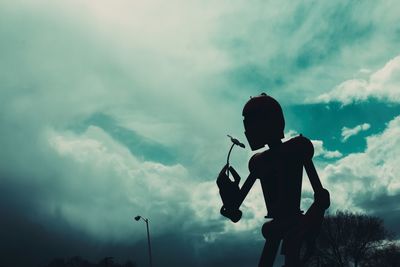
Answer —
346 239
388 256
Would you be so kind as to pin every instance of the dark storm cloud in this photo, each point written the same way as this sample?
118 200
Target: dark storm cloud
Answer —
383 206
28 241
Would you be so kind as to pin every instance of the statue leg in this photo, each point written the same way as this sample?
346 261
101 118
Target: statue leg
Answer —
269 253
291 247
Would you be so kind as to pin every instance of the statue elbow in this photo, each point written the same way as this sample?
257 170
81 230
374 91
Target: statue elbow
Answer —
322 199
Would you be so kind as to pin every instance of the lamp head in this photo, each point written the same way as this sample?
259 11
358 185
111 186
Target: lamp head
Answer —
137 218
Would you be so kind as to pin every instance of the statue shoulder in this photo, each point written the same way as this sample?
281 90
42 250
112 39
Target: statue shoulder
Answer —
254 162
260 162
303 146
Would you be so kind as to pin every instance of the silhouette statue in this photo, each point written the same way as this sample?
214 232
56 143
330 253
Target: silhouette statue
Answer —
280 170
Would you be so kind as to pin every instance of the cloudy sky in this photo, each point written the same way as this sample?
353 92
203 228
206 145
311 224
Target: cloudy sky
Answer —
109 109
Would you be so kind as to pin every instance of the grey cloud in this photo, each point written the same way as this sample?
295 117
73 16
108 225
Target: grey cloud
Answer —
384 206
305 48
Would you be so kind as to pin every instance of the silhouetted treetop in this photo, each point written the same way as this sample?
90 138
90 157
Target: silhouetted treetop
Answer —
351 239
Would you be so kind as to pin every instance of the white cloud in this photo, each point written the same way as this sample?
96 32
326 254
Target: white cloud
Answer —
349 132
359 178
384 84
106 186
321 151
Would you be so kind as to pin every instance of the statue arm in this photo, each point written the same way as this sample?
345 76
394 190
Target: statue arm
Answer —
247 185
321 195
245 189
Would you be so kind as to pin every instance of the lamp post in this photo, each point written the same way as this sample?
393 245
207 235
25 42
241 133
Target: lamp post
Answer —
137 218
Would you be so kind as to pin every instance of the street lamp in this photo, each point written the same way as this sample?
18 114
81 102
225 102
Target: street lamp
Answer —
137 218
